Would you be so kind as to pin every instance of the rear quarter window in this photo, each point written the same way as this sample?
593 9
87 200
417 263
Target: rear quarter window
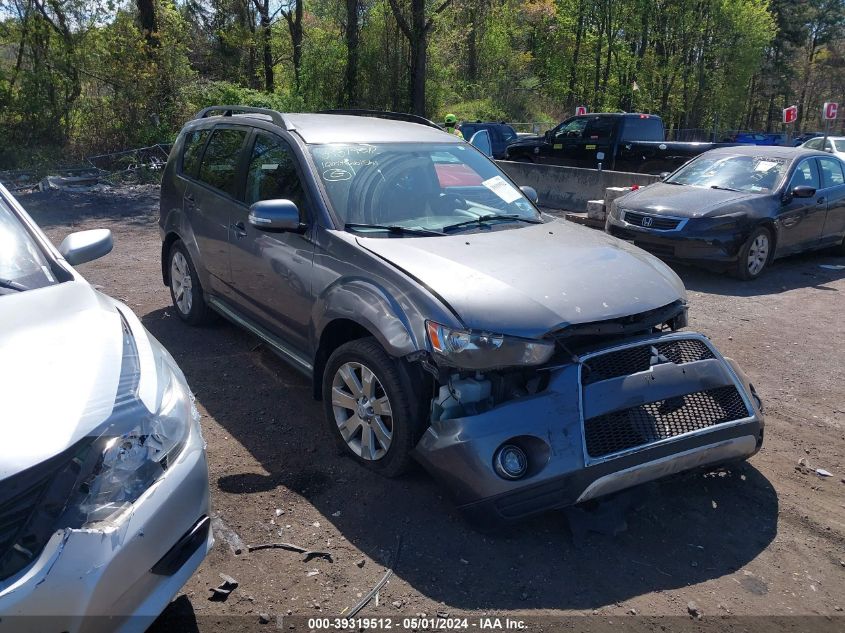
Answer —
192 150
636 129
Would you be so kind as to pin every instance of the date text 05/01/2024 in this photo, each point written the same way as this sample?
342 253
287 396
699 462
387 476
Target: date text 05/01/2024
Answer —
421 623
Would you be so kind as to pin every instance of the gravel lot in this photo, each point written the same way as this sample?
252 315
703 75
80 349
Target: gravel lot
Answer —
767 538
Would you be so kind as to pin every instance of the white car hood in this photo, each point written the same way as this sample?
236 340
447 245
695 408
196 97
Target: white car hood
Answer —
61 349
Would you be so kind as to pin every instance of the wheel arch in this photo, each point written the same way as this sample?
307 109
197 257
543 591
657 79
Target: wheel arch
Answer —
167 243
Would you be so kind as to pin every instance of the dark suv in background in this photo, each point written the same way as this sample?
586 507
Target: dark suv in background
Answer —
501 135
527 362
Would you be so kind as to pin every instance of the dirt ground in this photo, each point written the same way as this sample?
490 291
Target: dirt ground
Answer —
767 538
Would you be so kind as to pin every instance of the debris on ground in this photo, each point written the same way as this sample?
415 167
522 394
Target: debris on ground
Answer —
821 472
373 593
693 610
361 563
264 618
223 590
227 535
307 553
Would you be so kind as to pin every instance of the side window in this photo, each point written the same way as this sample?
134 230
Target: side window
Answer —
599 129
805 175
831 172
573 129
191 150
814 143
219 166
272 173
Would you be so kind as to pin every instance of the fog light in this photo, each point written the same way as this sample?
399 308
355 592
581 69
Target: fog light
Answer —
510 462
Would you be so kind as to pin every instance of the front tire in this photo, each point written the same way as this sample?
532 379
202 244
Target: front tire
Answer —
185 288
755 254
371 407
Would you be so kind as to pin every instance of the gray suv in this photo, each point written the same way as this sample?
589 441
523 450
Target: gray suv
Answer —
526 362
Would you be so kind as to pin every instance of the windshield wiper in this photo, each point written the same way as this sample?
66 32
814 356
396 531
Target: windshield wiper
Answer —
490 216
674 182
390 228
723 188
12 285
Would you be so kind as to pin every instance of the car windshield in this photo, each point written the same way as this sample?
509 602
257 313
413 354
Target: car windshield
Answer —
22 264
750 174
426 187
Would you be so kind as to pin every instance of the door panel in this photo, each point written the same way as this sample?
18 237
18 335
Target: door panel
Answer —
563 143
801 220
209 196
833 186
271 272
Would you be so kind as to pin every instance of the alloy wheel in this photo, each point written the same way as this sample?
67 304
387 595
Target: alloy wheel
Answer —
362 411
180 283
758 254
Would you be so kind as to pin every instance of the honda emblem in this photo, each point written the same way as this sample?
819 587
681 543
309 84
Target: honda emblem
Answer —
647 221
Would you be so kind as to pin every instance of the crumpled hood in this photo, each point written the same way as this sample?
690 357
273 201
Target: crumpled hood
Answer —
530 280
683 201
61 349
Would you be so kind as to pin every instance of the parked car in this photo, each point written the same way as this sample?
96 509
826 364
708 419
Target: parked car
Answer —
104 497
737 209
501 134
803 138
613 140
526 362
832 145
757 138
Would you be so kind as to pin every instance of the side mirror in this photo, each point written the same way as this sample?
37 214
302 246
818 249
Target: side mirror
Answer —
803 191
664 175
481 140
85 246
530 193
275 216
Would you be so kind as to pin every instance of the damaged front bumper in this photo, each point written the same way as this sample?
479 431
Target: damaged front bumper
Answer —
624 415
121 576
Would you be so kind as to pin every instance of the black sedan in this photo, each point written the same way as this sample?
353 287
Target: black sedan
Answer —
738 208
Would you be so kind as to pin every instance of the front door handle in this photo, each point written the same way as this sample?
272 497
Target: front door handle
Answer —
820 200
189 197
239 229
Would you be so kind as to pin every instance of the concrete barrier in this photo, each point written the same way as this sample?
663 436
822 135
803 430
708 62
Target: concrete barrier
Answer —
570 188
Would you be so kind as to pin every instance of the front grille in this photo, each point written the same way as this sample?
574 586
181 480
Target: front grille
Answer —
632 360
656 222
648 423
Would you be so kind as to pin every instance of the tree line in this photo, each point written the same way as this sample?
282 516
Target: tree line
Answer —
85 76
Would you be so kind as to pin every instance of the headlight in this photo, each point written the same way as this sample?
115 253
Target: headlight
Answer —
137 447
719 223
481 350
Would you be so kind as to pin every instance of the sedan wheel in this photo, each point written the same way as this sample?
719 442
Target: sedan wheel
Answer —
758 254
362 411
754 255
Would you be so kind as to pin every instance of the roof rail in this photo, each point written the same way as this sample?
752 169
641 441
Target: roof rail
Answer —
384 114
229 110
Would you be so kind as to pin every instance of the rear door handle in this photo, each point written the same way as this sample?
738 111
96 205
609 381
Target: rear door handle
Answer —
239 229
189 197
820 200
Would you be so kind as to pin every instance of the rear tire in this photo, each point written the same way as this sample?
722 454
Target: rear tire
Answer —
185 288
371 407
755 254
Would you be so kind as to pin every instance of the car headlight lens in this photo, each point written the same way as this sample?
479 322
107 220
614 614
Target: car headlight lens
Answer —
720 223
481 350
134 451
